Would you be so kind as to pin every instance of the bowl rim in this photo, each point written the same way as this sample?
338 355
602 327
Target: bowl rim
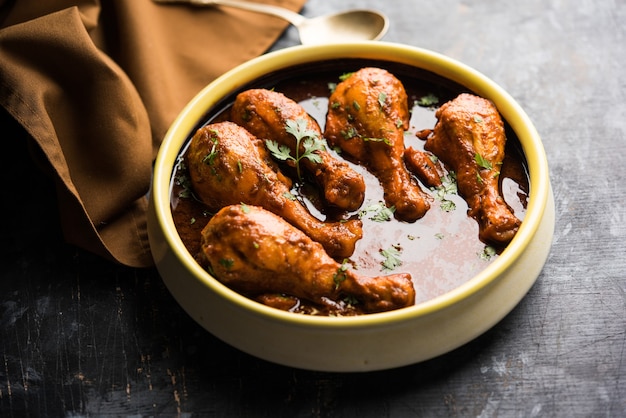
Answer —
425 59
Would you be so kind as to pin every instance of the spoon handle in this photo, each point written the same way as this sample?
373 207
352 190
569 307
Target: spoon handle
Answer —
286 14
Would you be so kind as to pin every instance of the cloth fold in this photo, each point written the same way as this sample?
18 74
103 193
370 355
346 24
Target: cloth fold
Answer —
96 84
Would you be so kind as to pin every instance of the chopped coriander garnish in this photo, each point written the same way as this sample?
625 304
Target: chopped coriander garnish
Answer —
226 262
382 98
289 196
246 115
210 157
487 253
381 213
482 162
427 101
447 205
448 186
384 215
180 163
385 140
351 300
340 275
392 258
184 181
350 133
345 76
245 208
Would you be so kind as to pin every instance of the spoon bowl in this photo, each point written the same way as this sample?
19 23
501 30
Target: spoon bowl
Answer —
346 26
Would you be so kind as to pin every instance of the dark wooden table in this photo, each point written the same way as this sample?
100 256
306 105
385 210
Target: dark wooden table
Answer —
82 337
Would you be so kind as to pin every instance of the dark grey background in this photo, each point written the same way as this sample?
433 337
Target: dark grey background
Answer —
82 337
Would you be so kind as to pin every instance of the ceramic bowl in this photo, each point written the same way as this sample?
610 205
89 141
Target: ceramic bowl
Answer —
368 342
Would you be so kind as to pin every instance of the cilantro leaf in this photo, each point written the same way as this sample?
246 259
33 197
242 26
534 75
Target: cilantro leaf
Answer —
482 162
212 155
299 128
382 98
345 76
381 213
487 253
427 101
447 205
448 187
280 152
385 140
310 146
308 138
340 275
227 263
392 258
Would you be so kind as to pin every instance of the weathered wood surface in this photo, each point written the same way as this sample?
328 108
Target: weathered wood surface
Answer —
81 337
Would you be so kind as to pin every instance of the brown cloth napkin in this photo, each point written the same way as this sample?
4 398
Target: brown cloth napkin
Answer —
96 83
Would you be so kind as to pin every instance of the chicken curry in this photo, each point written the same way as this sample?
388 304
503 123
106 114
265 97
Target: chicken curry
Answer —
349 193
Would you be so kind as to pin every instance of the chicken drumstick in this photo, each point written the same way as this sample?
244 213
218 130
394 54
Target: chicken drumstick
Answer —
469 137
265 114
253 251
228 165
368 113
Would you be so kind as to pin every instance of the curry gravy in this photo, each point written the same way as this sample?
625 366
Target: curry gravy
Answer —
441 250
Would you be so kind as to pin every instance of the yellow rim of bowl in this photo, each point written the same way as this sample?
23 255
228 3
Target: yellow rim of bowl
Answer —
417 57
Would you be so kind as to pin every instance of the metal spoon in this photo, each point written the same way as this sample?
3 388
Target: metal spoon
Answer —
350 25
